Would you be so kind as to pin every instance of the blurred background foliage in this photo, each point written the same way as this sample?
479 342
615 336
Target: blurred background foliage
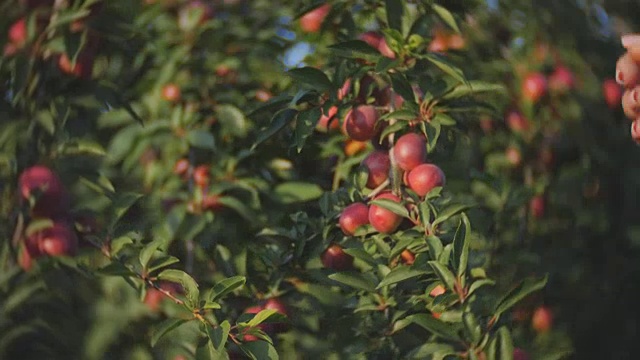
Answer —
558 198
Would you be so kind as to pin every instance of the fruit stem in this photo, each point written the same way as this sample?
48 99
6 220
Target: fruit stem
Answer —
378 189
395 173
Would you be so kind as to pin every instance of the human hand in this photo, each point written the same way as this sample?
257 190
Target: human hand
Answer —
628 75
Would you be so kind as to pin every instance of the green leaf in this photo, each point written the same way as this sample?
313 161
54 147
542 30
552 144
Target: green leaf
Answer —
461 246
232 120
161 262
361 255
238 206
355 49
398 274
190 286
219 335
448 212
392 206
312 78
206 351
295 192
260 350
472 87
428 322
394 13
147 252
518 293
226 286
120 205
260 317
471 326
402 86
37 225
164 327
279 121
445 66
305 124
435 246
443 119
355 280
444 274
431 351
446 16
432 131
504 344
478 284
392 129
201 139
324 294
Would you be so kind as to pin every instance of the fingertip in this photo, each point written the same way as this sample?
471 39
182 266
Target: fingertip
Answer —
630 40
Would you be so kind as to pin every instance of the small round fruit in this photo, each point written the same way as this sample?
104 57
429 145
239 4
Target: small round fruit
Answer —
456 42
631 103
612 93
279 306
534 86
519 354
211 202
423 178
353 147
439 43
263 95
378 164
352 217
52 199
336 259
407 257
437 291
627 71
542 319
171 93
513 156
536 206
360 123
83 68
58 240
18 32
517 122
344 89
635 130
181 167
311 22
328 121
385 50
383 220
372 38
562 79
201 175
410 151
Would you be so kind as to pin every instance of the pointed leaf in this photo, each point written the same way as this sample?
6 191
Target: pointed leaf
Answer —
147 252
445 275
355 280
446 16
392 206
312 78
226 286
398 274
461 246
279 121
521 291
164 327
190 286
427 321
